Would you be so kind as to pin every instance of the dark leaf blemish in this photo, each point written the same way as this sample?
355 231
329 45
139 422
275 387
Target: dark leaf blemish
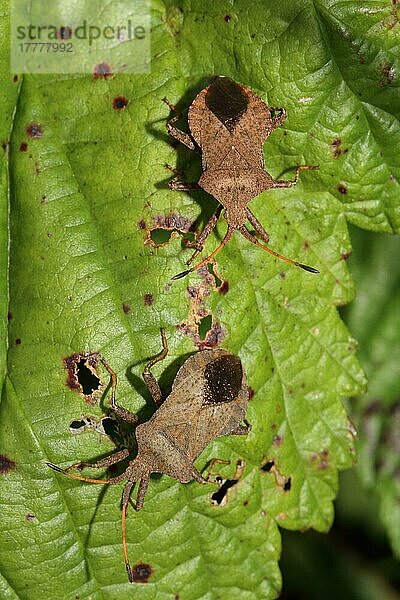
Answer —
120 102
342 189
148 299
18 341
227 18
126 308
30 517
224 287
6 464
23 147
34 130
336 148
141 572
388 73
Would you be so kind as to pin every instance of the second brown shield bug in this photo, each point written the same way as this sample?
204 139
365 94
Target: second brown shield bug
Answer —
208 399
229 123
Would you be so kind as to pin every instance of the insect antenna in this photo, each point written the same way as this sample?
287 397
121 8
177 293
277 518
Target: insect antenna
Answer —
224 241
79 477
254 240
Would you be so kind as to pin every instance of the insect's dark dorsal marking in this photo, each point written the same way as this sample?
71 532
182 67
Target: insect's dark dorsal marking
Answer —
227 100
223 380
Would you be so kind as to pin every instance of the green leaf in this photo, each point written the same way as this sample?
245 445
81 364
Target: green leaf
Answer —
374 318
81 279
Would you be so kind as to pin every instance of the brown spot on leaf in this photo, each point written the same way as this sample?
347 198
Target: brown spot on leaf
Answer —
277 440
251 393
142 224
102 71
23 147
227 18
4 145
43 199
126 308
15 78
224 287
120 102
388 74
336 148
342 189
148 299
30 517
82 375
345 255
321 458
6 464
34 130
18 341
141 572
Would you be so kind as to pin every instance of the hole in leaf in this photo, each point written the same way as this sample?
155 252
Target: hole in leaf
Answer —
160 236
288 484
210 268
267 466
220 494
86 378
205 326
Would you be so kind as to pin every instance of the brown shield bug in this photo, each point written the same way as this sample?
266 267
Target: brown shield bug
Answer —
208 399
228 124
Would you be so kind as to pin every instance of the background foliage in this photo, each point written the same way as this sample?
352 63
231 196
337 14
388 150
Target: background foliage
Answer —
79 197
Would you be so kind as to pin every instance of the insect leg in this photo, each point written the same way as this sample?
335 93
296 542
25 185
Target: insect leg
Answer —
199 242
225 240
278 120
286 183
178 185
123 413
253 240
179 135
150 380
257 225
107 461
209 477
143 485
